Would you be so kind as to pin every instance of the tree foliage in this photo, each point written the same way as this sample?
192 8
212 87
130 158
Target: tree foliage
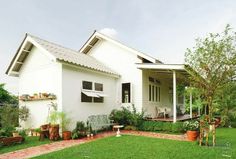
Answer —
226 104
6 97
212 64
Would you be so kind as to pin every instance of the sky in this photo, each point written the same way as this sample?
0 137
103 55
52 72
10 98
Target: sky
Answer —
161 28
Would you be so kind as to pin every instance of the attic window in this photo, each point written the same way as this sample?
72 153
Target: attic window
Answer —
145 61
90 45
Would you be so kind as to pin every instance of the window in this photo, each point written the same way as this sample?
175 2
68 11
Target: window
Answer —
98 87
89 94
126 92
89 86
154 90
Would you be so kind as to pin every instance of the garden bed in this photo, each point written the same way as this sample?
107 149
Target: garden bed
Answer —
29 142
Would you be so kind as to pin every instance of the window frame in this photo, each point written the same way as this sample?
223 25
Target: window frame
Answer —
123 93
87 99
154 90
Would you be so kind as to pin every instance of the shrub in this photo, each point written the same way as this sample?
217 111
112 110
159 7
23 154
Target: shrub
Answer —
147 126
162 126
80 130
7 131
129 127
127 117
177 127
23 133
158 126
167 127
191 125
233 124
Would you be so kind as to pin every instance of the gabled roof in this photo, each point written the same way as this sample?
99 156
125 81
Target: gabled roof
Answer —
55 52
96 36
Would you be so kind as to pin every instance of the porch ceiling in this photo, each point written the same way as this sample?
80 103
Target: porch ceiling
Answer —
165 71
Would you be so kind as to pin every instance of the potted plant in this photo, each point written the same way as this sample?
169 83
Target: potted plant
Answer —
15 134
36 96
192 128
54 120
80 130
66 134
37 130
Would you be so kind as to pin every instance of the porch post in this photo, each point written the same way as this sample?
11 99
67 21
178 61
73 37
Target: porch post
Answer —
191 103
199 110
174 96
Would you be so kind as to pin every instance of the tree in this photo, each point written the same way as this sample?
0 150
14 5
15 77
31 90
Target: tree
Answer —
6 97
226 104
211 64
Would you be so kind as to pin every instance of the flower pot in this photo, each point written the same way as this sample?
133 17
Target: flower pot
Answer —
15 134
192 135
34 133
66 135
37 133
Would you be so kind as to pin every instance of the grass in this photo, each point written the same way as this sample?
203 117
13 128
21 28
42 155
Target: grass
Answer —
130 147
29 142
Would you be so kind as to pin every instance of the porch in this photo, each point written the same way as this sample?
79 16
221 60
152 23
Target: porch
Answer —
165 78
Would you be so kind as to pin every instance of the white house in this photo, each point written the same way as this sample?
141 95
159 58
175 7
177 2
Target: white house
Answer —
103 75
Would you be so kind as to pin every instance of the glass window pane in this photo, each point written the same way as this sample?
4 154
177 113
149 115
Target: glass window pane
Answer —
98 100
87 85
98 87
85 98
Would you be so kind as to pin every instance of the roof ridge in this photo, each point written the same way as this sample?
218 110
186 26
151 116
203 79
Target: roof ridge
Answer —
68 51
33 36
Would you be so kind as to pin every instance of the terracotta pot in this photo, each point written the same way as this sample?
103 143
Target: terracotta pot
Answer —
34 133
192 135
15 134
54 132
66 135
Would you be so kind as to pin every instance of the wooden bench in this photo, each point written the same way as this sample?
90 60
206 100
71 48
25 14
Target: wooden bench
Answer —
99 122
7 141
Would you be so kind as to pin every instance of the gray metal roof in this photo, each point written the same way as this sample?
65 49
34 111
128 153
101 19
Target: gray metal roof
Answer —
71 56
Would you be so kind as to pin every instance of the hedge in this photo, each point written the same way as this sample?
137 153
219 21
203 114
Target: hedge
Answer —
162 126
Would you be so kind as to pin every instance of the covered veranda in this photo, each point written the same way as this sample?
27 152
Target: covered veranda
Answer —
176 73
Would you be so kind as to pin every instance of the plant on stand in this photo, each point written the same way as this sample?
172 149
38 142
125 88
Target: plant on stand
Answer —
54 120
65 121
192 128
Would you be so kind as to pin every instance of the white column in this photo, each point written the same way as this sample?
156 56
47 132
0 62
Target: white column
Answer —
191 103
199 110
174 96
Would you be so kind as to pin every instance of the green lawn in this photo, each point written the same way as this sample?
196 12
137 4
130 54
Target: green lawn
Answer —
132 147
29 142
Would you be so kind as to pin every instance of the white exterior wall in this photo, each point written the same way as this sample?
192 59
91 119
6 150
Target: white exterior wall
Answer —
39 74
165 101
123 62
76 110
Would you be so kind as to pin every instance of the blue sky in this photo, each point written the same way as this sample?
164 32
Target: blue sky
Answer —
161 28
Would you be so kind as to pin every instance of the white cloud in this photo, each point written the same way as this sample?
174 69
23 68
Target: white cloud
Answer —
109 31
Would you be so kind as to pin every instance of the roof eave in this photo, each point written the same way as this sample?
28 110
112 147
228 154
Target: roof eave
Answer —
78 65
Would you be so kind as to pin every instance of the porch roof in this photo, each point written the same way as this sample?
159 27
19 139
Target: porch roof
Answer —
180 68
